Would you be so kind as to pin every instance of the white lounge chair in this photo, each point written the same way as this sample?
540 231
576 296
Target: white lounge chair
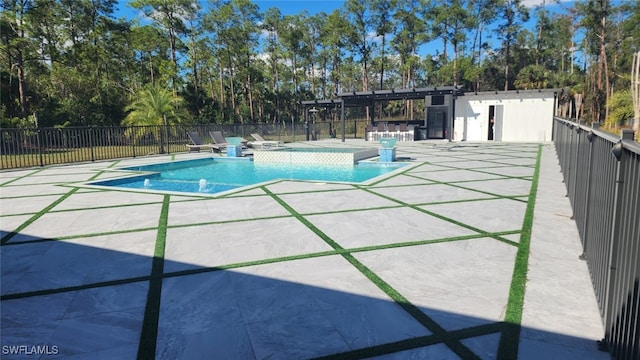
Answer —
262 143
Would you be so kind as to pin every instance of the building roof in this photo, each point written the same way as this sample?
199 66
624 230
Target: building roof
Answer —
363 98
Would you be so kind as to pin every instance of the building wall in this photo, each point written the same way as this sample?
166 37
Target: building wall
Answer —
521 116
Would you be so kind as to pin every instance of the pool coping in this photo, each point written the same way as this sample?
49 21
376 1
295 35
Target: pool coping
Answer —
95 184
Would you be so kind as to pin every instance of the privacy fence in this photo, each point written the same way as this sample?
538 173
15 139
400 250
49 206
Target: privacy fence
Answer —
47 146
602 176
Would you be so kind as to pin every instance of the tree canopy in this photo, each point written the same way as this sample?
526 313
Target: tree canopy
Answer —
72 61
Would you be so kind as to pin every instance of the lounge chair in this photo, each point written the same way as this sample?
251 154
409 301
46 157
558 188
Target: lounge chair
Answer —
220 140
198 144
262 143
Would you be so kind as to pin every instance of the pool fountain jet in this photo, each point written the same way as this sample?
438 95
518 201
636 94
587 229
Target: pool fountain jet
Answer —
203 185
147 183
387 150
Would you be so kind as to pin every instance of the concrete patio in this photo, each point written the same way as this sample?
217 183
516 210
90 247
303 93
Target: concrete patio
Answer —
442 261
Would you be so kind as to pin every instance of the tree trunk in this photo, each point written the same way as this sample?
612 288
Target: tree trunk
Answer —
172 45
506 65
603 66
539 42
635 92
382 64
232 88
455 63
249 86
21 85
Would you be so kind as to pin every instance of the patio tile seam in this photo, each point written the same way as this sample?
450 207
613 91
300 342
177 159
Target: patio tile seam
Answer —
473 150
457 151
354 210
431 213
510 339
482 171
400 173
46 292
415 342
56 183
233 221
35 217
511 154
18 214
301 192
149 333
401 205
498 177
507 197
456 346
499 161
106 207
254 263
86 235
457 201
494 164
22 177
33 196
331 253
429 242
80 236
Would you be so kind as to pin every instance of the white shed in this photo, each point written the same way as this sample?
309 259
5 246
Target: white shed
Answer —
518 116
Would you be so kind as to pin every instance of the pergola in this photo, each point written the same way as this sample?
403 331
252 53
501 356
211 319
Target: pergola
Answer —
369 99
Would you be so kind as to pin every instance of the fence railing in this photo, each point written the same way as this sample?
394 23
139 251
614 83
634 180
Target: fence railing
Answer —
48 146
602 176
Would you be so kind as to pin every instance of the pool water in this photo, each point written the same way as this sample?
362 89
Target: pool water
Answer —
217 175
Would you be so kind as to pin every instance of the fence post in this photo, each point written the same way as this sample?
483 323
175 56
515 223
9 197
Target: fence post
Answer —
575 161
133 144
618 152
585 228
39 146
93 158
166 136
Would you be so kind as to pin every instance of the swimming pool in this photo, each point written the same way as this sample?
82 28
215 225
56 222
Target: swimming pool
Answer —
216 175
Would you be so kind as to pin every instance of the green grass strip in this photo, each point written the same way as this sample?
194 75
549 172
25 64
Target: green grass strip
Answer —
414 343
149 334
201 270
456 346
510 339
508 197
35 217
116 232
73 288
441 217
21 177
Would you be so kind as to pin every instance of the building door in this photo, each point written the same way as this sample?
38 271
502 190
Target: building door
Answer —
491 122
494 130
499 122
436 123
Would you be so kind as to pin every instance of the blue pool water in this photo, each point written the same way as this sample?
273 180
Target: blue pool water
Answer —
217 175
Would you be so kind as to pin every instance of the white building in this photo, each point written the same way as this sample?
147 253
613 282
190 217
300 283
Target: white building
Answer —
519 116
456 115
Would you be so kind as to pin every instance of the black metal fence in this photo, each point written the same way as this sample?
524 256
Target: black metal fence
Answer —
602 175
47 146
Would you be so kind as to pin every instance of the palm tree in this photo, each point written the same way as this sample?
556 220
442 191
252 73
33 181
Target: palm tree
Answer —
153 107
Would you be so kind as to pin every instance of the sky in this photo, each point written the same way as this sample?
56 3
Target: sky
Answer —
292 7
